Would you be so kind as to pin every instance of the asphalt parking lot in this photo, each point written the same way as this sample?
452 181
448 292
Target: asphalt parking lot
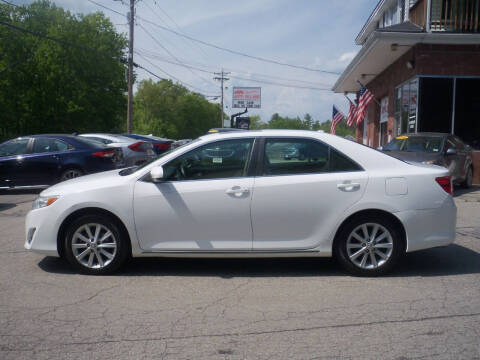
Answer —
240 309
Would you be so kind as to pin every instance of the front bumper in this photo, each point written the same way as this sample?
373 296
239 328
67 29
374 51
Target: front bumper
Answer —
41 232
430 228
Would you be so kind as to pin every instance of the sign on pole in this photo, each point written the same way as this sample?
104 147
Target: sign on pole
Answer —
247 97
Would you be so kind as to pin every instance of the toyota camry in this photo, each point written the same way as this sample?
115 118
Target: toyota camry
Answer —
236 195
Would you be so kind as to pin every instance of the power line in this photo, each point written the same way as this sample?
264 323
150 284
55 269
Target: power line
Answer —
237 52
178 28
170 53
105 7
60 41
313 84
251 79
173 77
9 3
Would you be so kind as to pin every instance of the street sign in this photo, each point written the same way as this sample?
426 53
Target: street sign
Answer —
247 97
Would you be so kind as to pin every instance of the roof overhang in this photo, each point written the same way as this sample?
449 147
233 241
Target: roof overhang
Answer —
377 54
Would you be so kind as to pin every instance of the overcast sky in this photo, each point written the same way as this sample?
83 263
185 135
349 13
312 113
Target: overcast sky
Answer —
313 33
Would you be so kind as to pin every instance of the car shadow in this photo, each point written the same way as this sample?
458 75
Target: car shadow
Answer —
451 260
6 206
461 191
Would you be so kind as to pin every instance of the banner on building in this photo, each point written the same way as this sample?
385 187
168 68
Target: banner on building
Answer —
247 97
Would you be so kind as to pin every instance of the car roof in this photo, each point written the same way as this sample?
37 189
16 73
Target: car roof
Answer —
113 137
426 134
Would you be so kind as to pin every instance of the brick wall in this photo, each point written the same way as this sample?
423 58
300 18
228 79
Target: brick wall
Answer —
429 59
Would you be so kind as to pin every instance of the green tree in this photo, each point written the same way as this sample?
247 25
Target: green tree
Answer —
256 123
74 84
171 110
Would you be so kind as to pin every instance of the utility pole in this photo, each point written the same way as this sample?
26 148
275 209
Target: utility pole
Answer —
131 19
221 78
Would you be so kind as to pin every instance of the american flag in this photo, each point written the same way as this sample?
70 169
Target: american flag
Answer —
352 111
337 116
365 98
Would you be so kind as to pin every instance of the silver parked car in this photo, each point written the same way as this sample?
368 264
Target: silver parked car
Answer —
435 149
135 152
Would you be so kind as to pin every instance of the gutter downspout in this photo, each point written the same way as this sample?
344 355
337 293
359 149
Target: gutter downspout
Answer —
429 15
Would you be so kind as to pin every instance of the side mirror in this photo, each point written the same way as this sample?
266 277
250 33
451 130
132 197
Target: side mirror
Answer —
452 151
156 174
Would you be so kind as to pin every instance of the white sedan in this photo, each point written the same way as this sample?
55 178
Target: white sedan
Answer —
240 194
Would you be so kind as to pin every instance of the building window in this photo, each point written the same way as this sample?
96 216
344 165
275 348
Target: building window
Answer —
406 101
436 105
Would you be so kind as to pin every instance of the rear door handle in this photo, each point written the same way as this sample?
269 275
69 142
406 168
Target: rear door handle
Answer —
237 190
348 186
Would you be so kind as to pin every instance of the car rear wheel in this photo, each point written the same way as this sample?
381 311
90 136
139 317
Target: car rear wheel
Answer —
369 246
467 183
70 174
95 245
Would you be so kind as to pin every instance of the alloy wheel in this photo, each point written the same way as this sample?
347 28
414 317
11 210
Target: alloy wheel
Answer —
94 246
369 246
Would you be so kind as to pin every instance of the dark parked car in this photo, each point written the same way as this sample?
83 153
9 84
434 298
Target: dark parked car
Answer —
160 145
435 149
38 161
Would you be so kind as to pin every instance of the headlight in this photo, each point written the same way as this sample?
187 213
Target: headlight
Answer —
43 201
430 162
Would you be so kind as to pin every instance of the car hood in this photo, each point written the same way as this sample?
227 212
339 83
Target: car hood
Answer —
410 156
87 182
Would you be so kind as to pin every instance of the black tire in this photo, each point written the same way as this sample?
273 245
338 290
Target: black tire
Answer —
120 254
70 173
467 183
341 255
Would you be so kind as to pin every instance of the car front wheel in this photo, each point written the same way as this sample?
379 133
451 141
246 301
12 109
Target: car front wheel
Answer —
369 247
95 245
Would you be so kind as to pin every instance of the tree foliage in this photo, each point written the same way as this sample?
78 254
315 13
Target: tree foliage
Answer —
76 84
307 123
170 110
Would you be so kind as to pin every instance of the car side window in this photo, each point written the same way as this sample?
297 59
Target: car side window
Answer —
221 159
449 144
14 147
303 156
62 146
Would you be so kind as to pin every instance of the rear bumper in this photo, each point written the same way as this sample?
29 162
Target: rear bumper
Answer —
430 227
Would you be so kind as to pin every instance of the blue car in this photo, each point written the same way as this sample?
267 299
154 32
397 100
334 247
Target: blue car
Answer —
39 161
160 145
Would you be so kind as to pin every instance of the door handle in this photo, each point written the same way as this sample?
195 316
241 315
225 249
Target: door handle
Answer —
237 190
348 186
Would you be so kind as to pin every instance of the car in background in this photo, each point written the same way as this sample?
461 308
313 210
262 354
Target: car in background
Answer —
160 145
180 142
38 161
435 149
135 152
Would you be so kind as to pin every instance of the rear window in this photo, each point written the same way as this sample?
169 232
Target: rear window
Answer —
426 144
88 143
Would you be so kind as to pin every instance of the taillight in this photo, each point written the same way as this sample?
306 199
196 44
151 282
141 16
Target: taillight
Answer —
162 146
446 183
137 146
104 154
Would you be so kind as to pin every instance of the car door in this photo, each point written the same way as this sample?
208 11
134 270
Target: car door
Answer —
12 156
203 204
298 199
462 156
41 166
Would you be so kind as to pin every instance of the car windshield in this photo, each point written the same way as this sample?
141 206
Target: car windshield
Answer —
134 169
426 144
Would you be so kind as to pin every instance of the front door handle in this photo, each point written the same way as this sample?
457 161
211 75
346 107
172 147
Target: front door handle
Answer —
348 186
237 190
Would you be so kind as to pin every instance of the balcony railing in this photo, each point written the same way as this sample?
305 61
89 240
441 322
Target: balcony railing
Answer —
459 16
